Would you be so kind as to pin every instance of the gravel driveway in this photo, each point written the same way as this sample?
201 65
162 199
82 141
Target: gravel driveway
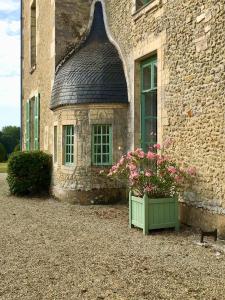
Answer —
53 250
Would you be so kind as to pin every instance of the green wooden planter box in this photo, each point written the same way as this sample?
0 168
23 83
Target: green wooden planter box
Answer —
149 214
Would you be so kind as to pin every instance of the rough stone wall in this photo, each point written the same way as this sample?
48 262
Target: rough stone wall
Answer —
71 19
82 177
40 80
188 38
195 94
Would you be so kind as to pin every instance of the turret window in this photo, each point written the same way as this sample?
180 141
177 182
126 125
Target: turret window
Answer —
68 142
102 145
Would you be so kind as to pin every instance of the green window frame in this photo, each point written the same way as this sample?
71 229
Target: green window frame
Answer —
28 125
102 145
37 122
68 131
149 103
33 123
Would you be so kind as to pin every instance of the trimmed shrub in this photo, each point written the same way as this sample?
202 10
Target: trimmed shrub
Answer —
29 173
3 153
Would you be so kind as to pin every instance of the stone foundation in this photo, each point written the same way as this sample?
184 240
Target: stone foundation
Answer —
96 196
202 218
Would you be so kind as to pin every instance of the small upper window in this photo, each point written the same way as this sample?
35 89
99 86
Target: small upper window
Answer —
33 35
141 3
68 143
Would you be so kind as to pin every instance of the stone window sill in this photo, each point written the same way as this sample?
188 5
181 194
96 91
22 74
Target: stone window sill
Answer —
67 169
151 6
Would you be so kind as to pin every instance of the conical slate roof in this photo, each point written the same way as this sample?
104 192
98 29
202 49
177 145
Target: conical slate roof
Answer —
94 74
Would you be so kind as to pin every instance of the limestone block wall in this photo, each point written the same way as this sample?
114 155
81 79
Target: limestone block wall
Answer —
81 182
195 98
39 80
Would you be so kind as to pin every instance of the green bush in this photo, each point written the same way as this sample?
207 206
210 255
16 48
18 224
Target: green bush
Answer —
29 173
3 153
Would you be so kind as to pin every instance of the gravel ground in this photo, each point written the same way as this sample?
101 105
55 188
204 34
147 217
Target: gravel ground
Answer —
53 250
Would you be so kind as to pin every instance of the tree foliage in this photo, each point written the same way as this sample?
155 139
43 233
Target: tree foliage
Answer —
3 153
10 137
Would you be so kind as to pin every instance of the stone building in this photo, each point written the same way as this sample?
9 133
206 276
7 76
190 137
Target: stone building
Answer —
103 77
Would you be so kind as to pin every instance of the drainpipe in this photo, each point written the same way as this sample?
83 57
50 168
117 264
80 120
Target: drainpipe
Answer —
21 73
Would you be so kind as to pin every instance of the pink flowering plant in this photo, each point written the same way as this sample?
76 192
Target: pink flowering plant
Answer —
152 173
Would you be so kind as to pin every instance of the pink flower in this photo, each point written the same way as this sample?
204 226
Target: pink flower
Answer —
134 175
160 160
132 166
172 170
140 153
148 174
129 154
122 160
148 189
191 171
157 146
114 168
150 155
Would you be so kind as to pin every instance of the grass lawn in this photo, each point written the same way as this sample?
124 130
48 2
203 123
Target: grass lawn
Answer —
3 167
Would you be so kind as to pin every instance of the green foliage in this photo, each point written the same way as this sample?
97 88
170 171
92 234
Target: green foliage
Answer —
152 173
10 137
29 173
17 148
3 153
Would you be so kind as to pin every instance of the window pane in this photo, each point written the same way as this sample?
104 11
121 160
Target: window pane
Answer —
104 128
69 144
105 139
99 149
99 159
105 149
147 78
150 102
101 144
105 159
151 130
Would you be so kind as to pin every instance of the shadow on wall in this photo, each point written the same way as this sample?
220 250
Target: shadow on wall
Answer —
72 19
